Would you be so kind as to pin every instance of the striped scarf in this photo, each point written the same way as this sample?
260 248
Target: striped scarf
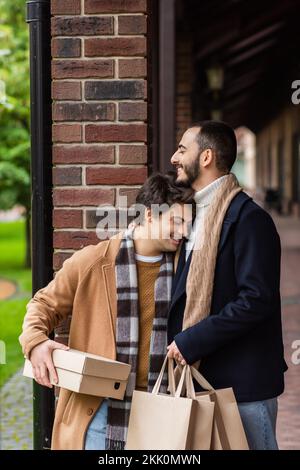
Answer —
127 333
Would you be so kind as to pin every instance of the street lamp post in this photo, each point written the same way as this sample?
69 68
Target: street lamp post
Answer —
38 17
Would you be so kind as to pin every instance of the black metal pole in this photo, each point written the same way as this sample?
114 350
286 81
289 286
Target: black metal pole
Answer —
38 17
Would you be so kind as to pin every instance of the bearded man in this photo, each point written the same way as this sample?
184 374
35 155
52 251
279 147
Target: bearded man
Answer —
225 311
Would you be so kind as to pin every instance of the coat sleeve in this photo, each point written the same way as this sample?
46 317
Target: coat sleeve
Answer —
257 255
49 306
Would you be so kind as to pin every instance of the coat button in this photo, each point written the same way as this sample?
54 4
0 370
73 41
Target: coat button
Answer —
90 411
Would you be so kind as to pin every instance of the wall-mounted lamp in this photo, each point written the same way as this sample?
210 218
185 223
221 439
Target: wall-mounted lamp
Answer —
215 79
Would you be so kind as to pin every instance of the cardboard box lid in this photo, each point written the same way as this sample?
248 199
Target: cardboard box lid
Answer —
84 384
90 364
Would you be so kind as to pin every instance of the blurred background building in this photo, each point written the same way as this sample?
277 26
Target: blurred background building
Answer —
237 61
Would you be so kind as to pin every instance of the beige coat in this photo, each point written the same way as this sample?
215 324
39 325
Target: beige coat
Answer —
85 287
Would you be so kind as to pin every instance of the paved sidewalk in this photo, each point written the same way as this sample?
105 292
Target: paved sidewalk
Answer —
288 426
16 414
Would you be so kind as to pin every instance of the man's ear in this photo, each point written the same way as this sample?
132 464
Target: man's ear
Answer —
206 157
148 215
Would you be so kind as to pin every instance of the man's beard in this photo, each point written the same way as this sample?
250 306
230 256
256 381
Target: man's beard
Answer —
192 172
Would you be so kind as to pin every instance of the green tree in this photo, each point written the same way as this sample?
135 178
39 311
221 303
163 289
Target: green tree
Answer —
14 111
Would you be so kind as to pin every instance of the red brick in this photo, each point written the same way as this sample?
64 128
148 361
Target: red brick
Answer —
66 90
67 218
67 176
93 217
66 47
66 133
99 47
132 68
82 68
136 24
115 90
130 194
115 175
115 6
115 133
83 197
83 154
120 218
83 111
133 111
59 257
65 7
82 26
133 154
74 240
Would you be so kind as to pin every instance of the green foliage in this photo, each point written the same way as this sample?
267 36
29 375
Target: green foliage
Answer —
11 319
12 251
14 106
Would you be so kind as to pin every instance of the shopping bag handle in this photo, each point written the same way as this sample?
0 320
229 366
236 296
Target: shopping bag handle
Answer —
190 389
187 375
171 377
181 382
194 373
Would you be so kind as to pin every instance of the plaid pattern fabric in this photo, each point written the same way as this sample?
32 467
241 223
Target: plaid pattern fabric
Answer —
127 333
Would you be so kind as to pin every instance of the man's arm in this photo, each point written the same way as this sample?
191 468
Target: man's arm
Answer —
49 306
257 270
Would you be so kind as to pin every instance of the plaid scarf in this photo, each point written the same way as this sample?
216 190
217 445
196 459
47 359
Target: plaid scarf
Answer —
127 333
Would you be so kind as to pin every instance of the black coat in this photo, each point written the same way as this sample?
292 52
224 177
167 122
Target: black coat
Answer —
240 342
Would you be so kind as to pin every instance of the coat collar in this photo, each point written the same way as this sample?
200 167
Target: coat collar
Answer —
112 248
110 251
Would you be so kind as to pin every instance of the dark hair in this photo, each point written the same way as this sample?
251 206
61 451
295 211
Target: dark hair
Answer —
162 189
219 137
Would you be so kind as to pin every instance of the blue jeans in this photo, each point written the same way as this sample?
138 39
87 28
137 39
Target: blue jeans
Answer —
259 420
96 432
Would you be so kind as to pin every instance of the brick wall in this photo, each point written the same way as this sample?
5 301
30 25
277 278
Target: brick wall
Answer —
99 91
